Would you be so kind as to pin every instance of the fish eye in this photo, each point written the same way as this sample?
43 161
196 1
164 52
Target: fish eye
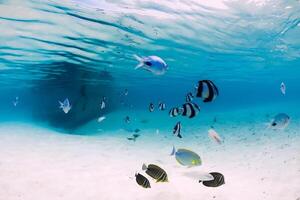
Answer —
148 63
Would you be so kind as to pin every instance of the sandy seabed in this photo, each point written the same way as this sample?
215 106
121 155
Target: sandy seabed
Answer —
37 163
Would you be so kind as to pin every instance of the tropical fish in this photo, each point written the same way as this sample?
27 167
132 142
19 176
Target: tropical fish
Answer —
16 101
151 107
280 121
189 97
100 119
102 104
174 112
161 106
156 172
207 90
154 64
142 180
214 136
190 110
177 130
65 106
186 157
216 182
127 119
282 88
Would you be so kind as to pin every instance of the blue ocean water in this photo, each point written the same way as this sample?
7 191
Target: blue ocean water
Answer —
83 50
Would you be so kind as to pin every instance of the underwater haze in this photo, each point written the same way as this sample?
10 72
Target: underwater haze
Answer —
93 89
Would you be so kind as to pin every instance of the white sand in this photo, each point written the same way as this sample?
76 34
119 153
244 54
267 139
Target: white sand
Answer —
36 164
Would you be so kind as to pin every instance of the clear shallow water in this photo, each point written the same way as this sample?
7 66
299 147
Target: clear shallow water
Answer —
84 50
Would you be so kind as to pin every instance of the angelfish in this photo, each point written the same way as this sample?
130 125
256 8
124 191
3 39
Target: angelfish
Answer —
65 106
153 64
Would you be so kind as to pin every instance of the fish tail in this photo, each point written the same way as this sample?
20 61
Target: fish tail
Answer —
60 104
141 61
173 151
144 167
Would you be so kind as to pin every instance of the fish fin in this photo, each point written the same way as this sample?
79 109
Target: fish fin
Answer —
141 61
144 167
173 151
179 135
60 104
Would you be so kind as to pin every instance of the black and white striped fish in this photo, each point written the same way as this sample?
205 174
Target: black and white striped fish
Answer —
156 172
142 180
207 90
151 107
190 109
174 112
161 106
177 130
189 97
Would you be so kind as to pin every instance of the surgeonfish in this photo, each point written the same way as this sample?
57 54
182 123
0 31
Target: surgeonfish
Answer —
216 182
156 172
161 106
65 106
190 109
282 88
16 101
280 121
174 112
102 104
142 180
100 119
153 64
151 107
186 157
177 130
189 97
207 90
214 136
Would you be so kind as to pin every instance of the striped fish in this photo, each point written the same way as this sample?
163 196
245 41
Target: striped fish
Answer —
177 130
190 110
142 181
189 97
207 90
151 107
174 112
161 106
216 182
156 172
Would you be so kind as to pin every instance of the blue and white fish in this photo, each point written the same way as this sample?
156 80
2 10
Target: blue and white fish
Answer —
102 104
186 157
154 64
282 88
65 106
174 112
16 101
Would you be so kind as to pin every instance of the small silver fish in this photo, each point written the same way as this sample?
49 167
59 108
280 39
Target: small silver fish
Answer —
100 119
65 106
102 104
282 88
154 64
